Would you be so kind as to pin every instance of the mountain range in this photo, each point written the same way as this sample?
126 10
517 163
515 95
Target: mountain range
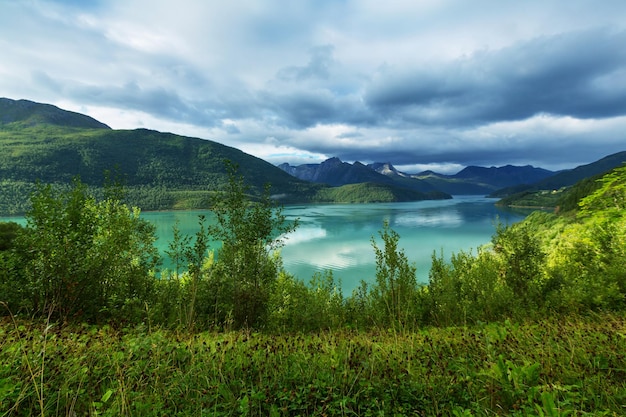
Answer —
42 143
470 180
568 177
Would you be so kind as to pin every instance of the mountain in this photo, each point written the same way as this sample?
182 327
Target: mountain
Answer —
503 176
336 173
470 180
28 113
564 189
42 143
161 171
569 177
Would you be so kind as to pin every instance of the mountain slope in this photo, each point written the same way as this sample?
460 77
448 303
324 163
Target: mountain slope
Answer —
564 189
143 156
42 143
27 113
569 177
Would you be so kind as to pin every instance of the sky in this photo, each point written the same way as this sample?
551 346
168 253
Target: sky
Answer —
422 84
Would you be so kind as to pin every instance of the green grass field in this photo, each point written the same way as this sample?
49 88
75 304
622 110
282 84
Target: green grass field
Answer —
554 367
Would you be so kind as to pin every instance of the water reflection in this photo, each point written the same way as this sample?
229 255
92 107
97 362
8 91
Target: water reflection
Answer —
338 237
305 234
430 218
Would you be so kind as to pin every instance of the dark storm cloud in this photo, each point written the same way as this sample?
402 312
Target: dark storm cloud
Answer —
576 74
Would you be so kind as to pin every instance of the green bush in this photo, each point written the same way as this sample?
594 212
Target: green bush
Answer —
522 260
85 259
468 289
295 306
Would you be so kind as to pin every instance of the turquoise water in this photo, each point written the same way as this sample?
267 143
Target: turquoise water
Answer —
338 237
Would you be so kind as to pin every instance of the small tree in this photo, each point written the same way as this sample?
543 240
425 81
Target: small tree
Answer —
395 291
86 259
249 232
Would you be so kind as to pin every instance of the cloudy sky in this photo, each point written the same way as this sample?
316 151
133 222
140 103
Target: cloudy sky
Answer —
419 83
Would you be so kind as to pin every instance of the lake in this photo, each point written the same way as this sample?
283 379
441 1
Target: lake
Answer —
338 236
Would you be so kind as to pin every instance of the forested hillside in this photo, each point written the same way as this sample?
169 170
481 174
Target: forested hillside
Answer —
550 191
161 170
42 143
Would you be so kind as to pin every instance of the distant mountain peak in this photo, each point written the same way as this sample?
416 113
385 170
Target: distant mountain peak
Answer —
30 113
332 161
427 173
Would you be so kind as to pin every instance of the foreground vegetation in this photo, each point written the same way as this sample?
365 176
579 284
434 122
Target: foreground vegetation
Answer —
555 367
532 324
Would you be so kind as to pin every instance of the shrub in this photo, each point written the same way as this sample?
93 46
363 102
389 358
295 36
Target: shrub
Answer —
86 259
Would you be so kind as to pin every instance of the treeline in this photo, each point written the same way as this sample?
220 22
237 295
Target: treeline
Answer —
92 259
374 193
14 195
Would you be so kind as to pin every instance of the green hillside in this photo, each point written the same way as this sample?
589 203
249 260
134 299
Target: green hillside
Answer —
553 191
161 171
375 193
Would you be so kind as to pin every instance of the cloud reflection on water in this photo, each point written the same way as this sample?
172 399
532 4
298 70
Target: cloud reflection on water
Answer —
430 218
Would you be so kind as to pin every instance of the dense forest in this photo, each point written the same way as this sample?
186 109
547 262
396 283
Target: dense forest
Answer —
161 171
531 324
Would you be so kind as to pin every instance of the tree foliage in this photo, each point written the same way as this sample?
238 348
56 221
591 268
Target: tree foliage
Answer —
83 259
249 232
394 294
610 198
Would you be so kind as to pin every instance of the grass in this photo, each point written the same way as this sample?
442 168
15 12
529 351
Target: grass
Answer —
555 367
